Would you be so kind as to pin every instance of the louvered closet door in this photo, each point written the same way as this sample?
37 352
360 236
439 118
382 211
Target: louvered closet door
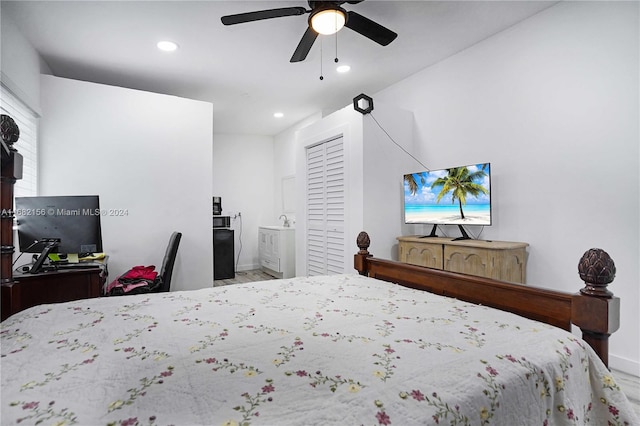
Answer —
325 208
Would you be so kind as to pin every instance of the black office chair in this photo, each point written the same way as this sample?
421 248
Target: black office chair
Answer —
169 260
162 283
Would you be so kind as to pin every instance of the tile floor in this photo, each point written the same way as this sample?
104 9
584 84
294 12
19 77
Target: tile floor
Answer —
244 277
631 387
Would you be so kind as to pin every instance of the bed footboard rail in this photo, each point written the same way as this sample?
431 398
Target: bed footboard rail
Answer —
593 309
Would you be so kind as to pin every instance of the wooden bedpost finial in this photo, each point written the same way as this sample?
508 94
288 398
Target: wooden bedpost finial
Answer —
594 309
363 242
9 130
360 258
597 270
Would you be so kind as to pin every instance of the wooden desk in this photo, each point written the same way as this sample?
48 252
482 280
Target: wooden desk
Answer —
499 260
29 290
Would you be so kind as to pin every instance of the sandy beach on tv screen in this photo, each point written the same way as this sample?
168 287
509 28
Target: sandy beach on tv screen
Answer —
439 219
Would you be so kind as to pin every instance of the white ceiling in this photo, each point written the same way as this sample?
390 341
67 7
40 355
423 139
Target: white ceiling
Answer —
244 70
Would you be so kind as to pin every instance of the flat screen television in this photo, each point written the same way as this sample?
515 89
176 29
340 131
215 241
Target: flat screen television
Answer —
453 196
58 224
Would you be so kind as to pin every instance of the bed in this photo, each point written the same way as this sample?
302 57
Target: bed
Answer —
346 349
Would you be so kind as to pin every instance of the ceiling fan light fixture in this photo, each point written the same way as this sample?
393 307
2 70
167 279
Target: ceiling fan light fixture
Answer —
328 21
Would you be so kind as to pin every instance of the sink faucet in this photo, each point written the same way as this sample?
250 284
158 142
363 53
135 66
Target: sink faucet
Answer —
286 221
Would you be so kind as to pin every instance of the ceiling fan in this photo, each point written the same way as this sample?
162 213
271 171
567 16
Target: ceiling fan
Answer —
326 17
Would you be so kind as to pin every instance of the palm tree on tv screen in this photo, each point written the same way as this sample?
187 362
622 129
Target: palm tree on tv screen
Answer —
460 182
411 182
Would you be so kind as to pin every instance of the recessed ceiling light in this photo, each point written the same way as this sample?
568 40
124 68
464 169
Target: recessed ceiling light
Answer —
343 68
167 46
278 114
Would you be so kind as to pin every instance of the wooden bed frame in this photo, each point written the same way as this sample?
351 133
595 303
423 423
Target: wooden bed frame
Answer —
593 309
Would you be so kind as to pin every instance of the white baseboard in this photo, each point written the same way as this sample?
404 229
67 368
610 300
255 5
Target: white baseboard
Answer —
248 267
625 365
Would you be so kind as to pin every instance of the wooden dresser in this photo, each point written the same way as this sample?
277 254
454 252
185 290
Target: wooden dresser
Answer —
29 290
500 260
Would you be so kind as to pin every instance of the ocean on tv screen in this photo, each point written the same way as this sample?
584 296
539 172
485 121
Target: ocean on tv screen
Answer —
474 214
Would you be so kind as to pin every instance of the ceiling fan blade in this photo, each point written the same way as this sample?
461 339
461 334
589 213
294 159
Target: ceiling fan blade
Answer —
304 46
370 29
262 14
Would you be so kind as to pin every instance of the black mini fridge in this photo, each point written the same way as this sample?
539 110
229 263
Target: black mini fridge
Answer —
223 254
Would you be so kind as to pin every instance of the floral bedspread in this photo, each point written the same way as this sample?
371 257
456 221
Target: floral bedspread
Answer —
305 351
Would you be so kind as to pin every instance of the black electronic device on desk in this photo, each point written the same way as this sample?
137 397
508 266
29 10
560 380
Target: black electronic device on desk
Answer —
58 224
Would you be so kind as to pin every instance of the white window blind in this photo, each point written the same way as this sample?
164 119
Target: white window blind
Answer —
325 208
27 144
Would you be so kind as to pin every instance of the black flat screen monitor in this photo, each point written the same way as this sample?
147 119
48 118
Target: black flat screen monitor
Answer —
73 222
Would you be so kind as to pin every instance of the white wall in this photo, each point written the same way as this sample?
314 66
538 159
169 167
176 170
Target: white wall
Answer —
147 153
285 164
21 64
387 132
243 177
553 104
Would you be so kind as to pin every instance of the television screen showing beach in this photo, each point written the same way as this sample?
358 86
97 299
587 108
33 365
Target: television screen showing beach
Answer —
453 196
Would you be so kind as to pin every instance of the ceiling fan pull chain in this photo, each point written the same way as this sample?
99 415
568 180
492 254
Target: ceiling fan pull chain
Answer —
321 77
336 58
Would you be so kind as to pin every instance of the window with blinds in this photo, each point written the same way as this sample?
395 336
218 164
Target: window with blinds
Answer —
325 208
27 144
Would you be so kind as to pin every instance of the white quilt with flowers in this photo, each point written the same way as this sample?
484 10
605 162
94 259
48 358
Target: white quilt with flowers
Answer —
342 350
